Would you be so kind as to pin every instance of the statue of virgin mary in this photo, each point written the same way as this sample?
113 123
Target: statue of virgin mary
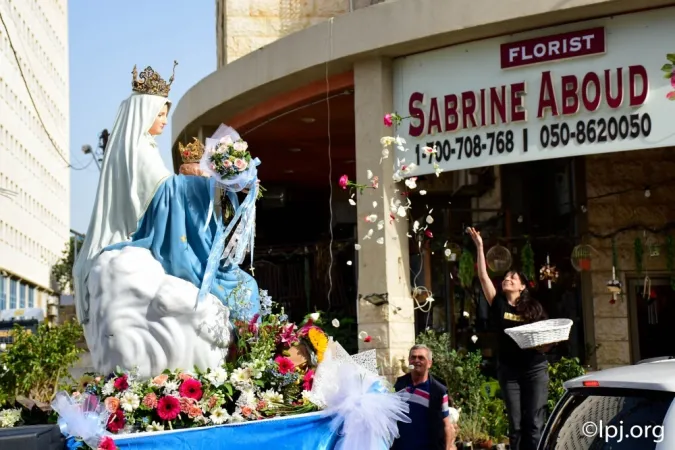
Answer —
150 287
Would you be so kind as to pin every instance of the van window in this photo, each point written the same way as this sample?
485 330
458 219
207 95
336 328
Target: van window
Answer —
603 419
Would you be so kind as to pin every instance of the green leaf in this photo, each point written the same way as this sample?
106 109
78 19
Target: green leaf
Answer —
671 57
667 68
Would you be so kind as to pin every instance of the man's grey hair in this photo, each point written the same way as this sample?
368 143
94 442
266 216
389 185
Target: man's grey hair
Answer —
422 347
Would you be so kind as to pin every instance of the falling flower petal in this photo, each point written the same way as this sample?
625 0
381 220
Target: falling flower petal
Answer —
315 316
369 174
465 313
335 323
474 338
357 247
380 241
349 263
352 202
380 224
429 234
447 252
371 218
416 226
429 220
363 335
423 192
401 211
374 204
387 140
367 339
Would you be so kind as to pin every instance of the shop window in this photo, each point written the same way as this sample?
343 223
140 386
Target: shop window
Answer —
652 317
3 292
22 295
12 293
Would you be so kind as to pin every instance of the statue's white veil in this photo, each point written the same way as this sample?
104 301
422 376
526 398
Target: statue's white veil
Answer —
132 171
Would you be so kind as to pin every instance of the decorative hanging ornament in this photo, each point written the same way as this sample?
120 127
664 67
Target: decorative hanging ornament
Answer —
614 286
581 257
498 259
548 273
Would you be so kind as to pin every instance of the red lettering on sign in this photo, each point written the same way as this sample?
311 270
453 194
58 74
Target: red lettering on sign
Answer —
417 112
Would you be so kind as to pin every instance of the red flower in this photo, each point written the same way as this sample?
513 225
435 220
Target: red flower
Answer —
253 324
285 364
287 335
191 389
168 408
429 234
116 421
107 444
344 180
367 339
387 120
308 380
121 383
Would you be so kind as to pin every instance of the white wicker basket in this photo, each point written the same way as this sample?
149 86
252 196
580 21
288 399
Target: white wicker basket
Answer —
541 333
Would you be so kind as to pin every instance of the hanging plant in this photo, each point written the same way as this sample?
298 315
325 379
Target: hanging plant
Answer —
467 269
527 260
670 259
639 254
581 257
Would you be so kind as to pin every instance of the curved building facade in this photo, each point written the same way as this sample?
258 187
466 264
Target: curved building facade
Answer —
551 128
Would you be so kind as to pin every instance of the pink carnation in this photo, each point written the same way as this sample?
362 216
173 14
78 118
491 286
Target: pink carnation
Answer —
150 401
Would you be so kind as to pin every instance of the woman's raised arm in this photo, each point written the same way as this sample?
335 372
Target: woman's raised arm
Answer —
485 281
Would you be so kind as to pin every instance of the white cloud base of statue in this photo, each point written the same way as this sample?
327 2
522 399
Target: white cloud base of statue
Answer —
142 318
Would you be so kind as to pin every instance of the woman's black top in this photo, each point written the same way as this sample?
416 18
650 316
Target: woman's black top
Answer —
509 353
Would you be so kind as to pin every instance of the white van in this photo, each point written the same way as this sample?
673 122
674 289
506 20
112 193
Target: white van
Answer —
628 407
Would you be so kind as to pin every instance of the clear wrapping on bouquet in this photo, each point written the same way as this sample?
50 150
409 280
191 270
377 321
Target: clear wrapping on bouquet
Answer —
227 161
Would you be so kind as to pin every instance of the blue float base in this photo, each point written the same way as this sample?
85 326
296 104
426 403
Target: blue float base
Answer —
302 432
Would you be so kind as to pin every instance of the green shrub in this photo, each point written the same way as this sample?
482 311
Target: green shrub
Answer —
559 372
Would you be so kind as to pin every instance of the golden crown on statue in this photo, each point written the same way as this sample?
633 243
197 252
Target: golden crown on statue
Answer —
192 152
150 82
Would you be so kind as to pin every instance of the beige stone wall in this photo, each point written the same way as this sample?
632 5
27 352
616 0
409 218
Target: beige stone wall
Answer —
607 174
243 26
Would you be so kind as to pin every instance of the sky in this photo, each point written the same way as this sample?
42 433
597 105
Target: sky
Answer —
106 39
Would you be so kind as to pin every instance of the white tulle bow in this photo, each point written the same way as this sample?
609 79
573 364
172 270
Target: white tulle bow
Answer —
84 417
365 411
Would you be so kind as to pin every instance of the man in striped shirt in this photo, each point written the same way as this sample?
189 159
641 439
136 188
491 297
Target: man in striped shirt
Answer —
430 427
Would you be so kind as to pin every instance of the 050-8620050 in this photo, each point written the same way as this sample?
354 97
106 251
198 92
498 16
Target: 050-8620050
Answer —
592 131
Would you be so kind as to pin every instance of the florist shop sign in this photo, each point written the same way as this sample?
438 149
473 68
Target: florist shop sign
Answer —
596 87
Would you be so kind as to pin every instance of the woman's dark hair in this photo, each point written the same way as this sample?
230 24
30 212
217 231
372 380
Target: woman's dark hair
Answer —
527 307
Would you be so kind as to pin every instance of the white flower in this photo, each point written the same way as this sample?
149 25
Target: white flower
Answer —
314 398
399 140
130 401
236 417
385 154
218 377
423 192
369 174
387 140
219 416
371 218
247 398
429 220
154 426
357 247
335 323
401 211
369 235
380 241
380 224
437 169
314 316
108 388
416 226
227 140
349 263
474 338
352 202
397 176
447 252
465 313
454 415
240 376
240 146
272 398
9 417
411 182
429 150
170 387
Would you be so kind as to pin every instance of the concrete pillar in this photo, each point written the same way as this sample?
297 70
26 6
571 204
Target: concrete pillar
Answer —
384 270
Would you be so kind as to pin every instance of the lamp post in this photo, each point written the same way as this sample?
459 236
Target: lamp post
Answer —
100 150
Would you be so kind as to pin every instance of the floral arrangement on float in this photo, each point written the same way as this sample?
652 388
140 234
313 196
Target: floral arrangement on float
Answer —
270 374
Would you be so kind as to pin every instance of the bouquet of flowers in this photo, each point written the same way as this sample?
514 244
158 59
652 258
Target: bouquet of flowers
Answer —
271 376
227 159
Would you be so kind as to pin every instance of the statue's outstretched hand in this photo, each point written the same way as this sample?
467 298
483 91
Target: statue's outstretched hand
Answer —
191 169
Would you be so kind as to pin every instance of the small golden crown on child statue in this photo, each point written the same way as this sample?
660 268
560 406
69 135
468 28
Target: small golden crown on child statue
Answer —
191 153
150 82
